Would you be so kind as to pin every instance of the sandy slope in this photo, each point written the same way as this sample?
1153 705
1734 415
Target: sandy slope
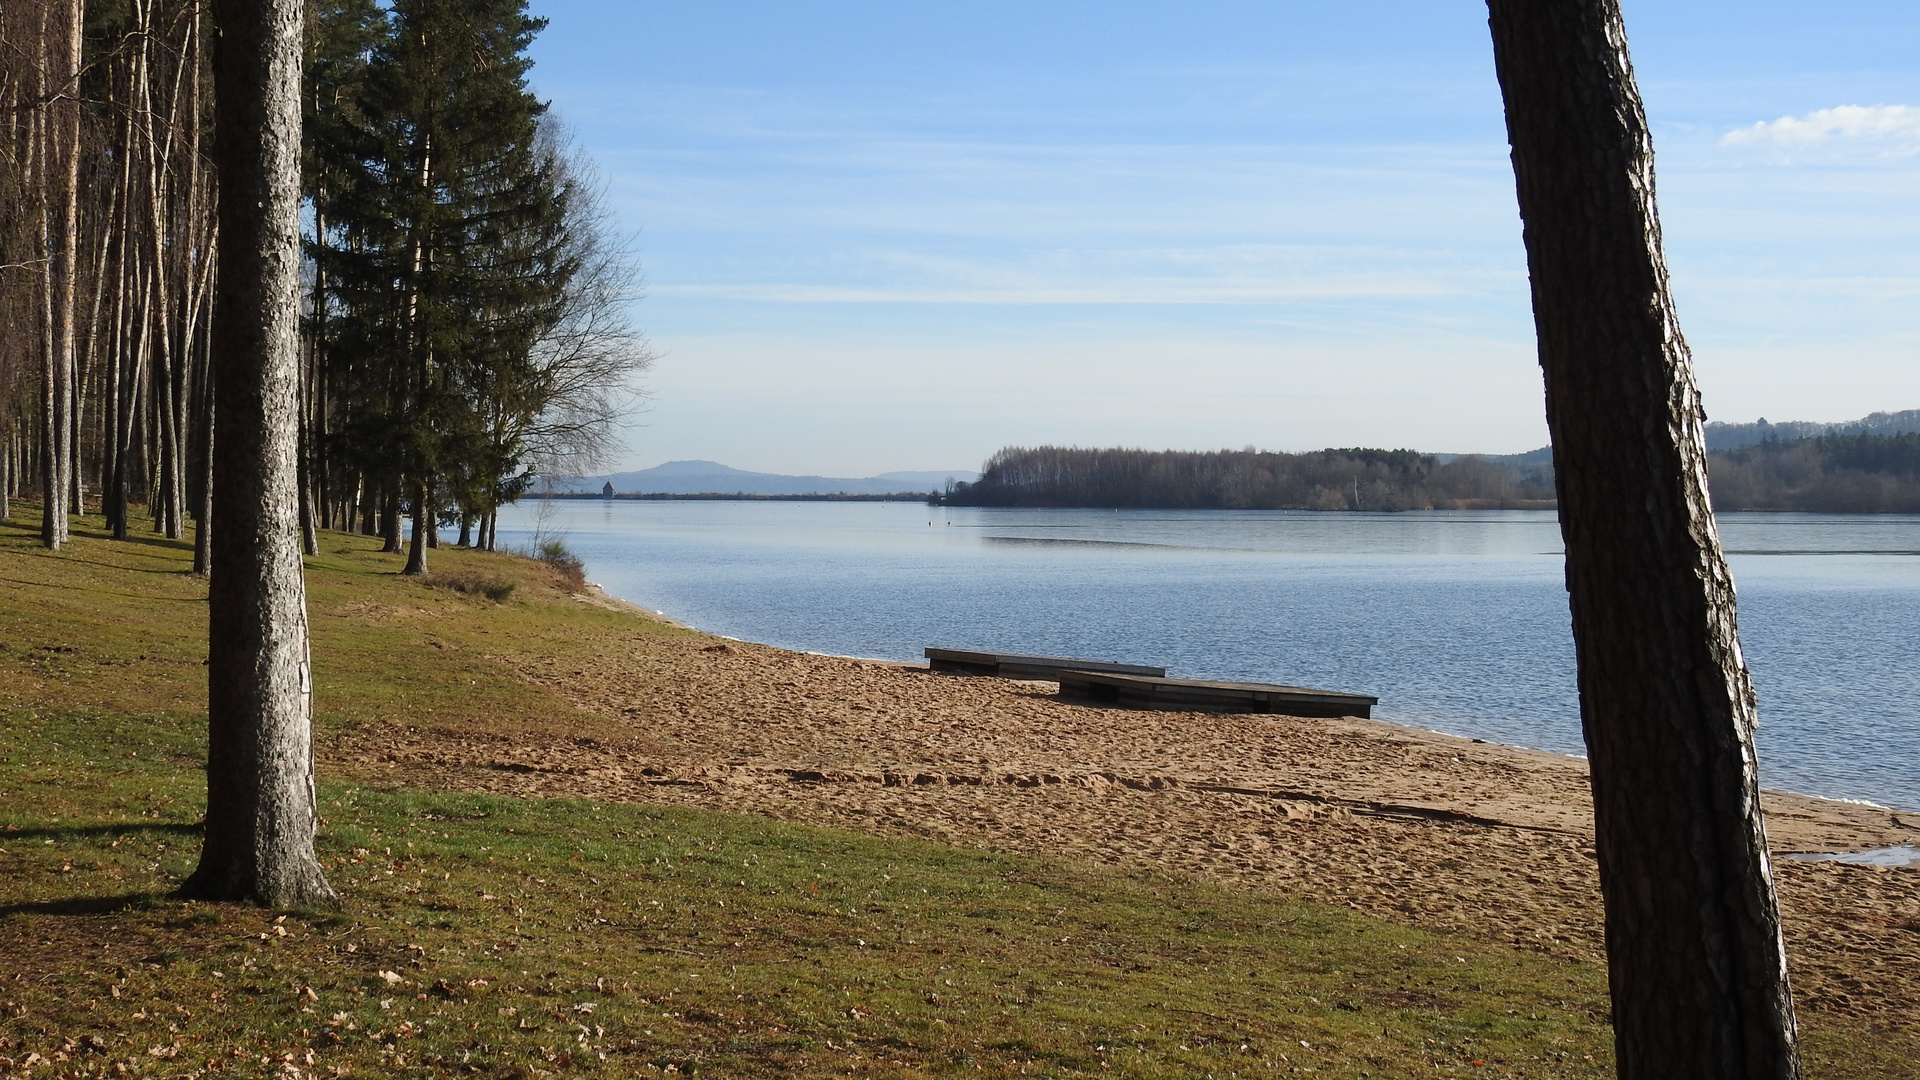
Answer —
1408 825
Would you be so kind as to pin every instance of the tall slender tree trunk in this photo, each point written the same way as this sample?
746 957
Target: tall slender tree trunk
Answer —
65 255
1695 960
390 519
261 812
134 392
94 369
312 483
203 514
119 424
422 521
34 187
60 168
169 397
309 539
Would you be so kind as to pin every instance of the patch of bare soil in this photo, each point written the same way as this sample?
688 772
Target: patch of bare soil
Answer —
1435 831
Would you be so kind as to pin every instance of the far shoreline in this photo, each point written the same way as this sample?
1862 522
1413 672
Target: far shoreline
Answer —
935 499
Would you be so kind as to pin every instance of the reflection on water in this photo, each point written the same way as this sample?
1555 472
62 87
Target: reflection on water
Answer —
1458 621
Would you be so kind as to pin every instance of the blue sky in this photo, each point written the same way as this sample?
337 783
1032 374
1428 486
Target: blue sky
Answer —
902 235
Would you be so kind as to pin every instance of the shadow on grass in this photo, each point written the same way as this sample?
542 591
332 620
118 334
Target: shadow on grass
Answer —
88 905
144 597
81 529
121 829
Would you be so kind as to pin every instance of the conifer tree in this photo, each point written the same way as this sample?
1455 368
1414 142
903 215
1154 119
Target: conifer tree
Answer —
438 258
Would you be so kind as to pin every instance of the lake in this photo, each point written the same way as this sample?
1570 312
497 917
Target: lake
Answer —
1456 620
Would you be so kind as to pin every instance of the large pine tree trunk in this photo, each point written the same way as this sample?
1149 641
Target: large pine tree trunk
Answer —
261 813
1695 959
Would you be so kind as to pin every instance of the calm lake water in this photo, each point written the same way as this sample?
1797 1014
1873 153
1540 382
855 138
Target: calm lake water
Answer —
1458 621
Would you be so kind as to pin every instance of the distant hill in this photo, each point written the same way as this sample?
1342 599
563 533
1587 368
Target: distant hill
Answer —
1734 436
1528 460
711 477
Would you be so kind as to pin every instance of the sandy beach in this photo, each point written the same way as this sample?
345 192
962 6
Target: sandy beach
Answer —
1408 825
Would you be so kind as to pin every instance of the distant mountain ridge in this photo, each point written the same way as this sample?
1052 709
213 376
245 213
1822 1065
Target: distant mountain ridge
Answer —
713 478
1533 469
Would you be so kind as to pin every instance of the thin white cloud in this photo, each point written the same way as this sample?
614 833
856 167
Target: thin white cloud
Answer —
1132 292
1898 124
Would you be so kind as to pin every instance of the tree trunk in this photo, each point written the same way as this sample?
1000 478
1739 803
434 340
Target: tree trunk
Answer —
65 255
390 519
1696 965
169 490
203 514
261 812
422 521
309 540
119 424
60 169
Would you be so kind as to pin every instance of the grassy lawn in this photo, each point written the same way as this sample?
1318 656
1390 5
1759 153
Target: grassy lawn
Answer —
503 937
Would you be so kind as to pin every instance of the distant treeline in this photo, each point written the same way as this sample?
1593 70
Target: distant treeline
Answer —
1834 474
1349 479
739 496
1734 436
1837 473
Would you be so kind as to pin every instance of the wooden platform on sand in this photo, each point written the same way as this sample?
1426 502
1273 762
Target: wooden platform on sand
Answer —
1149 692
1017 666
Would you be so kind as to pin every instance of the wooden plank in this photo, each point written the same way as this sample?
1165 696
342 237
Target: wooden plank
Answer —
1146 692
1022 666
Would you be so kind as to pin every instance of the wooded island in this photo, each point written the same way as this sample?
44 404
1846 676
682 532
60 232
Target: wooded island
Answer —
1835 474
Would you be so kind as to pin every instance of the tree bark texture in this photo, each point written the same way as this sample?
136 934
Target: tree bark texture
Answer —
1696 964
62 229
65 254
261 812
417 549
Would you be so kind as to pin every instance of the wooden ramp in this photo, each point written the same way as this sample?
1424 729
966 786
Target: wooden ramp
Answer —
1017 666
1148 692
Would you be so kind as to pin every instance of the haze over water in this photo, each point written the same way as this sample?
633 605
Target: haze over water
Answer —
1457 621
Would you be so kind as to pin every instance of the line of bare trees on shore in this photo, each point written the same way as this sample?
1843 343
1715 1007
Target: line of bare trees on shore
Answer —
106 236
1834 474
465 316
